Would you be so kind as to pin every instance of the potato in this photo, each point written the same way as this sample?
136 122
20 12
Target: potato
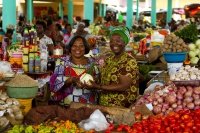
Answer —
178 46
179 50
169 42
180 41
174 49
168 38
166 46
175 39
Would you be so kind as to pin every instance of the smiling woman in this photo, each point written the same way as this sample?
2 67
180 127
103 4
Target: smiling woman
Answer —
65 82
119 75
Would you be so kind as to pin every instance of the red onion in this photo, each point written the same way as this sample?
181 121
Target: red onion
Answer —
164 109
182 90
197 107
170 109
190 105
188 94
197 102
180 106
174 105
179 96
165 105
156 96
170 88
160 100
188 99
165 94
195 96
197 90
171 99
155 103
179 102
184 104
157 109
189 88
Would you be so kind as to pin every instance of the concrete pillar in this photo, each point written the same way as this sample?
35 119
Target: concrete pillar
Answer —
89 10
70 11
29 11
129 14
153 12
169 11
100 9
61 9
9 13
137 10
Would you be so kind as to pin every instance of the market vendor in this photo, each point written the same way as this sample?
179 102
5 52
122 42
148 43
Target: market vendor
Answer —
119 75
65 85
45 41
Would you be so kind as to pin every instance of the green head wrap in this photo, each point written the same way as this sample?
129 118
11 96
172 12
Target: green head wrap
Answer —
123 32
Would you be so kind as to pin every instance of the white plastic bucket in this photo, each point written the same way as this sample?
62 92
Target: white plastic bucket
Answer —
173 67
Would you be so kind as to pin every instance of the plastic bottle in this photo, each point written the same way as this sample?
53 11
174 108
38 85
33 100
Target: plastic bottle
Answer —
26 37
31 65
37 64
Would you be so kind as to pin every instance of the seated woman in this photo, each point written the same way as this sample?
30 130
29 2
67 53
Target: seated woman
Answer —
120 74
65 84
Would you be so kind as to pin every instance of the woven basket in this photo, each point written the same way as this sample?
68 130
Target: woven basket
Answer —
26 105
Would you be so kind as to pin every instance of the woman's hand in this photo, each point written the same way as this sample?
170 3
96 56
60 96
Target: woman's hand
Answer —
92 85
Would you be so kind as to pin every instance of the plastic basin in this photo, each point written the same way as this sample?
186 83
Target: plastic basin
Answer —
22 92
175 57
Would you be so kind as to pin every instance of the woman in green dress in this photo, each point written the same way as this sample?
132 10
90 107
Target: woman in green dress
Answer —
120 74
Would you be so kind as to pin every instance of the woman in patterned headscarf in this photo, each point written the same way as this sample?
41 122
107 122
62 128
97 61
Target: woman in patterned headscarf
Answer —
119 75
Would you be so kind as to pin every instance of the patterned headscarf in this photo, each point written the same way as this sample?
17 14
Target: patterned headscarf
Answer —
123 32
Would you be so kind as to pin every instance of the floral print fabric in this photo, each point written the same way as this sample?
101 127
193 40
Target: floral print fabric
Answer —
111 72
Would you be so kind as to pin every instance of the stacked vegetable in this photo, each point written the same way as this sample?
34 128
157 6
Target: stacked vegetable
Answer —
171 98
49 127
194 53
183 121
9 111
173 43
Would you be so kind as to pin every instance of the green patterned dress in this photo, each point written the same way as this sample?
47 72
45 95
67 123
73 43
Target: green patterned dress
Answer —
110 74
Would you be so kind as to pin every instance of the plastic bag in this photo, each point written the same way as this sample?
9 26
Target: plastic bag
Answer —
5 67
97 121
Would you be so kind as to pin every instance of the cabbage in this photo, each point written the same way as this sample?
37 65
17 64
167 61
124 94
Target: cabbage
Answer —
198 42
192 54
194 60
192 46
197 51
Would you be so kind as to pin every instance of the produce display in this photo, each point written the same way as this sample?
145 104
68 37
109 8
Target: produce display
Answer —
194 52
173 43
183 121
49 127
189 33
186 73
171 98
10 111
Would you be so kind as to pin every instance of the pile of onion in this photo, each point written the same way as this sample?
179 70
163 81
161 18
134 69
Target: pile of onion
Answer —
172 98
